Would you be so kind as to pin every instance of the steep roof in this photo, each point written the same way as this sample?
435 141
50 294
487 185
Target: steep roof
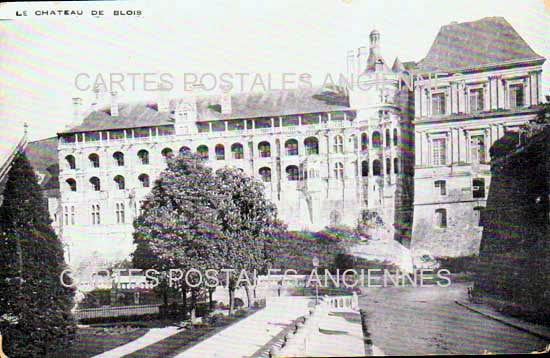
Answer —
130 116
488 41
42 154
243 105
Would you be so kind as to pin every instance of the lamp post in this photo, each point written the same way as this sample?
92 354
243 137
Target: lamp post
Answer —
315 265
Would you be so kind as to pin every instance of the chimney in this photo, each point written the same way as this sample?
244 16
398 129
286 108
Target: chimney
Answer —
77 109
163 103
114 104
226 99
362 57
350 62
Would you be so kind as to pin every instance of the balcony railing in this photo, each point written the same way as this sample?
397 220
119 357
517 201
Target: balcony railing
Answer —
214 134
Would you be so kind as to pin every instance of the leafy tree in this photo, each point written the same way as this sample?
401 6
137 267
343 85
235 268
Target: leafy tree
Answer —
250 228
35 308
194 218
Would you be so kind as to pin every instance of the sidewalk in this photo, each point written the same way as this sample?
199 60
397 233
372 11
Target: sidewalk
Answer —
245 337
532 328
339 335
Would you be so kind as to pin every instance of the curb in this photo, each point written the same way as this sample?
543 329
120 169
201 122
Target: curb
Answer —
506 322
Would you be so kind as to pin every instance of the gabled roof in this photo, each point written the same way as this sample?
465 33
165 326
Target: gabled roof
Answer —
488 41
243 105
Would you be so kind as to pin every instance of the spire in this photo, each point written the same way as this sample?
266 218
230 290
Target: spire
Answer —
397 66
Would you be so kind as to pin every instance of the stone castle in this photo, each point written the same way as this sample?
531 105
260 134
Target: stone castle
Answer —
407 148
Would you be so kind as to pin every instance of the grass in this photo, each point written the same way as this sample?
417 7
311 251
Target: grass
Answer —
91 341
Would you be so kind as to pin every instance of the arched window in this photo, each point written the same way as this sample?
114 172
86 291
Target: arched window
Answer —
119 180
202 151
144 180
219 149
441 218
291 147
388 139
395 137
71 183
71 163
119 213
376 140
365 168
312 145
96 219
167 153
72 215
396 165
143 156
376 168
338 145
265 149
237 151
388 166
339 170
185 150
119 158
94 160
96 184
364 141
292 173
265 174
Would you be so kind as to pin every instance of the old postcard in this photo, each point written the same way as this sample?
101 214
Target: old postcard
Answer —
326 178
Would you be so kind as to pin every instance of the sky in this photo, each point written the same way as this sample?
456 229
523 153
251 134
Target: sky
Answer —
42 56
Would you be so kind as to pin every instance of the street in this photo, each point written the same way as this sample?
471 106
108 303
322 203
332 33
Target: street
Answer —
426 320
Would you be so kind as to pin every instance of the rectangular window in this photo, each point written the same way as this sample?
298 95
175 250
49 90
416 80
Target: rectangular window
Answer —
440 187
516 96
476 100
441 218
439 151
438 104
477 144
478 188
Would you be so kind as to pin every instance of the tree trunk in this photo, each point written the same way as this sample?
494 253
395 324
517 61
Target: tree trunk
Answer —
210 301
248 298
231 299
193 307
184 301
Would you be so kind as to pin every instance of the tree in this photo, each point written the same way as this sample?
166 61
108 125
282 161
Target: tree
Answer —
194 218
250 228
179 227
35 307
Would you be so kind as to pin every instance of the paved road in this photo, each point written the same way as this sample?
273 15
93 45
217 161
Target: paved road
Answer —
414 321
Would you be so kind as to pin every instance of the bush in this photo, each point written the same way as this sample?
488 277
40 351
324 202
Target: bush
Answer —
237 302
240 313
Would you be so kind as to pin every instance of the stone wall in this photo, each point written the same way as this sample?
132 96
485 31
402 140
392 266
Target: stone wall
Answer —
515 246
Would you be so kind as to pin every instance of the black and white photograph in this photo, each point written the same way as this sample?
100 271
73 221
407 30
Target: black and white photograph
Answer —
262 178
